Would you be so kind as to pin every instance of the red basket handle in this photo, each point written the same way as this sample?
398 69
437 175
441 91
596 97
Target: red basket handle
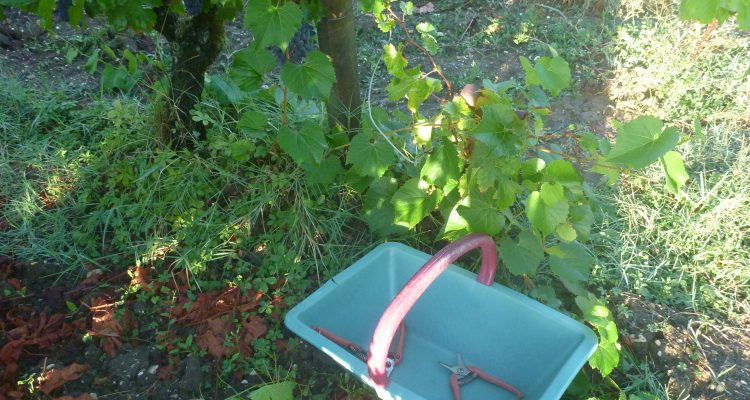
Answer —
405 299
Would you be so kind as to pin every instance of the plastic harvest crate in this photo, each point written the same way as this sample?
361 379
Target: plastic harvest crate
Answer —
507 334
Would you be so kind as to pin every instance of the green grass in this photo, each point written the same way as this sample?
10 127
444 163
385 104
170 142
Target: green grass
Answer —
691 251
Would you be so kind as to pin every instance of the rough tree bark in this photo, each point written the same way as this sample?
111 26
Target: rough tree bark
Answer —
337 38
195 43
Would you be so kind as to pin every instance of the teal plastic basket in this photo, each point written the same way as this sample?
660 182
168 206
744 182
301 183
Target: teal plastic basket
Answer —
507 334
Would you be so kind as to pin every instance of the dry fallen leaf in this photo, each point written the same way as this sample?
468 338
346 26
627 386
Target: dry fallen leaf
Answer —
84 396
56 377
104 325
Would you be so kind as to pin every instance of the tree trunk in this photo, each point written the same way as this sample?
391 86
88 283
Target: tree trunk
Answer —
195 44
337 38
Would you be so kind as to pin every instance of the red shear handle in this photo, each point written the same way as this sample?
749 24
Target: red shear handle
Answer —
497 382
396 311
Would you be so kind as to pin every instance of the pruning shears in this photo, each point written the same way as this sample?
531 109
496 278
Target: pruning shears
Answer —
462 374
394 357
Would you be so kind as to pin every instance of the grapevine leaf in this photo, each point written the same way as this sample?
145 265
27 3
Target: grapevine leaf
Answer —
566 232
311 79
44 10
703 11
675 172
378 210
552 193
400 84
368 158
570 262
582 218
427 31
242 150
563 171
493 129
552 73
642 141
605 358
276 391
412 203
374 6
490 170
273 25
456 226
531 169
420 91
394 59
75 12
546 295
224 90
522 256
306 145
253 124
323 173
543 216
442 165
505 193
481 217
249 66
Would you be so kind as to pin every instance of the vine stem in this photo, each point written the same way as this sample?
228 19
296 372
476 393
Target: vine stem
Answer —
414 43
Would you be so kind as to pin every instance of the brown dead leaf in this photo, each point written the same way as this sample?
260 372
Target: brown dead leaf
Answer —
34 330
165 372
213 337
105 325
56 377
84 396
138 277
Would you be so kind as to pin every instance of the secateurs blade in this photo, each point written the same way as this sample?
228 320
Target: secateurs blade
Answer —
394 357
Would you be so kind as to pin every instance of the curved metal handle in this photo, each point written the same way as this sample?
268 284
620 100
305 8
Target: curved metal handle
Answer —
405 299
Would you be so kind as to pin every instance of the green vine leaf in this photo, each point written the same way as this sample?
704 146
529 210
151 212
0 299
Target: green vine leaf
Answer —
641 142
552 73
481 216
253 124
369 158
413 203
249 66
564 172
524 255
311 79
394 59
674 169
379 213
607 354
582 219
552 193
571 262
496 129
704 11
543 216
306 145
442 165
273 24
325 172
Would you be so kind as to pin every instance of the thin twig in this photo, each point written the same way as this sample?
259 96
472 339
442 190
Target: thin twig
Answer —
411 41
